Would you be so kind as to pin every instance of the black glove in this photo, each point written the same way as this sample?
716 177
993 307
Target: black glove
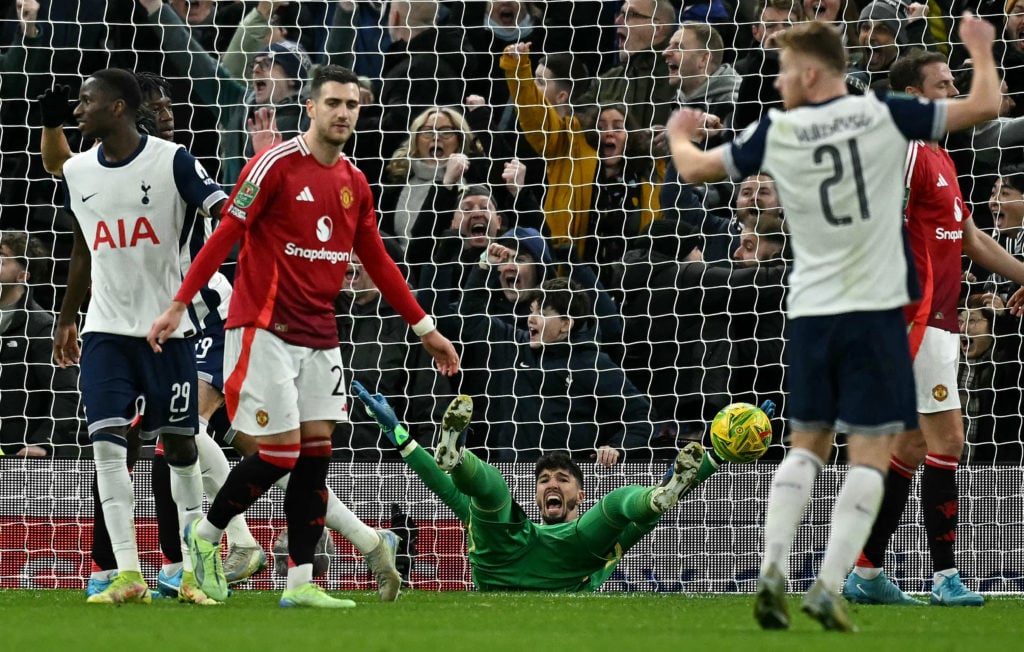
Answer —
55 105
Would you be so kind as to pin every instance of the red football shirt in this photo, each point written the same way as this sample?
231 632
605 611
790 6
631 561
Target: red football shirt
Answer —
935 213
302 220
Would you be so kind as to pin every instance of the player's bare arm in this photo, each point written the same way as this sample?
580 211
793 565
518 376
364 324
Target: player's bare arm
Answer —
65 336
982 103
693 164
55 151
984 250
215 210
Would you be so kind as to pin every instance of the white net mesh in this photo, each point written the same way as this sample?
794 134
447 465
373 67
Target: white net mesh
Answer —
565 139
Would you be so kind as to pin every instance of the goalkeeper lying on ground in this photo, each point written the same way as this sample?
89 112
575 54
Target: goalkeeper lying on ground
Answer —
507 551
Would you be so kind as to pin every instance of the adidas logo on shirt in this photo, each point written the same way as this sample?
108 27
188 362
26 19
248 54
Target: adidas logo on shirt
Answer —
942 182
305 195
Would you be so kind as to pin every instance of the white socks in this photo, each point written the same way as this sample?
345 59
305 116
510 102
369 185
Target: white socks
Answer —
791 489
117 502
209 532
852 517
299 575
187 491
341 519
215 470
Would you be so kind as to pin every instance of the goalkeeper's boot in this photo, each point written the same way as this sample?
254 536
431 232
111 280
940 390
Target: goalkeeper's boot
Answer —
448 453
168 585
880 590
311 595
206 564
952 593
243 562
827 608
190 593
682 480
127 587
381 562
770 608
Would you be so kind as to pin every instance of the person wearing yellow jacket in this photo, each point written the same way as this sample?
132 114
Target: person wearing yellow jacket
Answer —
575 167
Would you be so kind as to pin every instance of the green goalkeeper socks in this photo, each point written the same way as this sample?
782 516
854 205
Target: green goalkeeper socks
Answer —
708 466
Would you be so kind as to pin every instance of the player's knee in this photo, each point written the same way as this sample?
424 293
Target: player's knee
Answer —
910 448
180 450
210 400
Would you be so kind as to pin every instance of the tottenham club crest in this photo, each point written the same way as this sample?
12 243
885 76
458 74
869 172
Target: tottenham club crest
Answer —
940 393
346 197
262 418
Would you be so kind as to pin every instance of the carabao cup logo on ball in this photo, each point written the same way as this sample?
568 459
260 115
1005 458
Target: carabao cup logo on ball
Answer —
741 432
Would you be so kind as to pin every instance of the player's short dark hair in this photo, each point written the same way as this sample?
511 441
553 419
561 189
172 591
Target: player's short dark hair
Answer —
816 39
121 85
568 73
28 251
330 73
566 297
908 69
558 461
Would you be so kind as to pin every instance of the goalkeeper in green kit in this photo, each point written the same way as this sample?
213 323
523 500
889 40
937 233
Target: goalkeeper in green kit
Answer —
508 551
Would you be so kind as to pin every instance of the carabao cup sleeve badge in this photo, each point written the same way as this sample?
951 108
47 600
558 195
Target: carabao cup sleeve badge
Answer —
246 194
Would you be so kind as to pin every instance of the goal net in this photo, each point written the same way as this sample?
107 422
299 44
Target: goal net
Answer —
559 155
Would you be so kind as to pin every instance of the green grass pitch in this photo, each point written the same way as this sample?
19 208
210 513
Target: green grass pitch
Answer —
446 622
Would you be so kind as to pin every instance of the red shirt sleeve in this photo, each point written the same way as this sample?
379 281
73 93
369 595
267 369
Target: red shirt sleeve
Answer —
384 272
210 257
243 206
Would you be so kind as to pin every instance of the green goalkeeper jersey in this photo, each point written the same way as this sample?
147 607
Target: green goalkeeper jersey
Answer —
517 554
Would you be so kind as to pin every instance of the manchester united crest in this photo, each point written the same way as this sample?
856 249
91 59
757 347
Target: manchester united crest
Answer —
262 418
346 197
940 392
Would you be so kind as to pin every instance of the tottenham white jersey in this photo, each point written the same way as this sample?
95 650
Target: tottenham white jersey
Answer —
838 168
135 217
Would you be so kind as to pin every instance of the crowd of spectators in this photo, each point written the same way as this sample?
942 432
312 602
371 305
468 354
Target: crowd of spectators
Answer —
517 155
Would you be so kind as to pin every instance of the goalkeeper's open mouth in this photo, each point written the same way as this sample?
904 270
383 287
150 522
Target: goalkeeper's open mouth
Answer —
553 500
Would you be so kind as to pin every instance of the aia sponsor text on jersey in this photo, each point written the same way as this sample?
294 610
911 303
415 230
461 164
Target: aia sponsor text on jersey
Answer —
121 233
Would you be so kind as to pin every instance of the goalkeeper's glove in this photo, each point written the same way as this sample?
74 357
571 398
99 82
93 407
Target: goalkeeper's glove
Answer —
378 408
54 105
768 407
